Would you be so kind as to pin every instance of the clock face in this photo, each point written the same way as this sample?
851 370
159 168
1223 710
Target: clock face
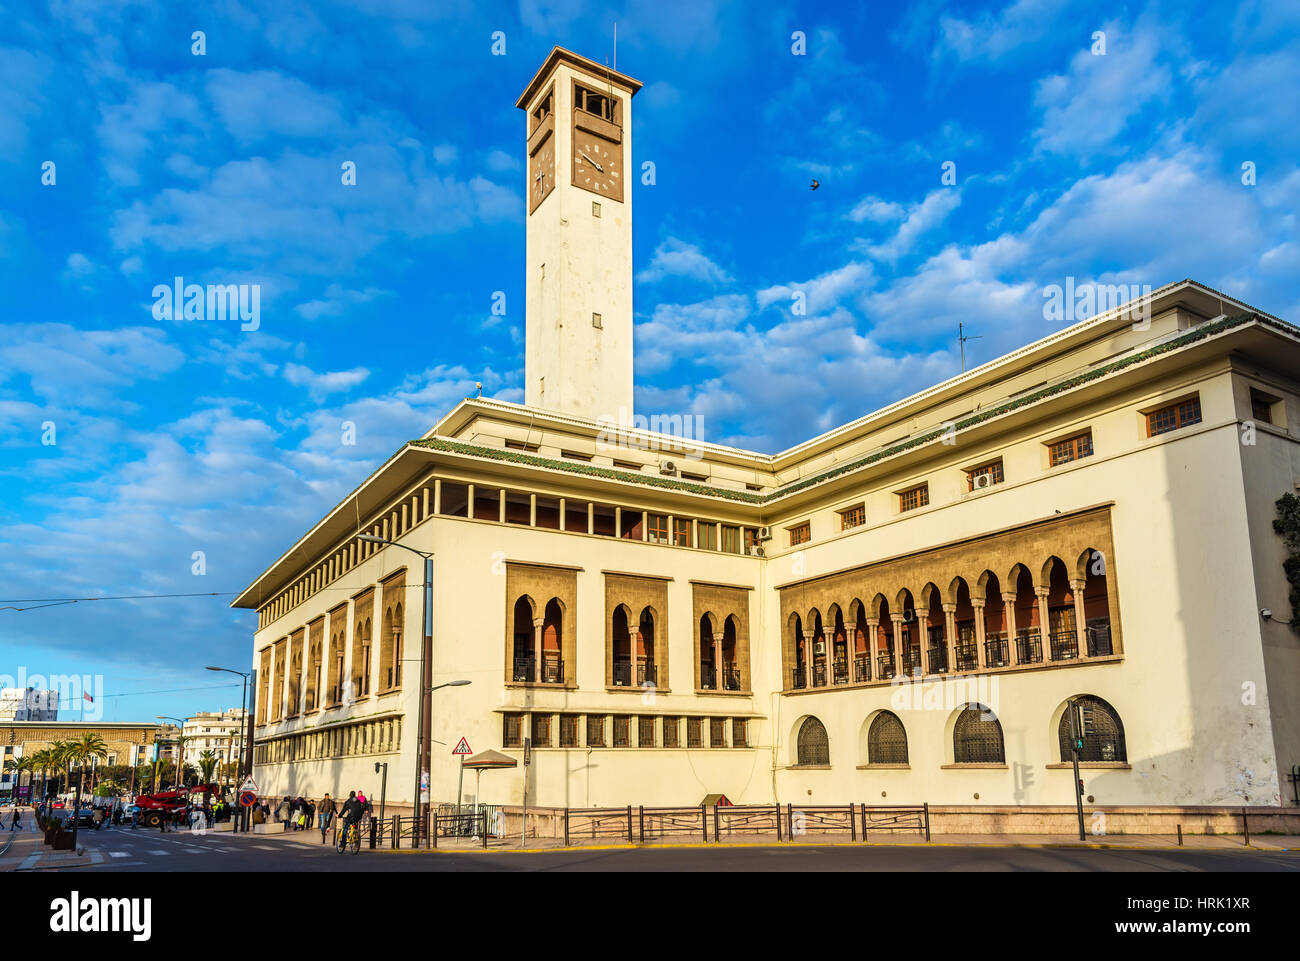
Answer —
597 165
541 173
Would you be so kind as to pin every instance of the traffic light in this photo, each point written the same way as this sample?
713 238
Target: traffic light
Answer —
1078 744
1081 786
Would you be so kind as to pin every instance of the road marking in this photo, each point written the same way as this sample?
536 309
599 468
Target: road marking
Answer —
118 854
264 847
157 852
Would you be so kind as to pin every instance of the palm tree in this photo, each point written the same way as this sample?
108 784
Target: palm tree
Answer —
16 766
89 747
208 764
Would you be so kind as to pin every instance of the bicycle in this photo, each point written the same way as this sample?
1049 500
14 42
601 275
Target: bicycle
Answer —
350 837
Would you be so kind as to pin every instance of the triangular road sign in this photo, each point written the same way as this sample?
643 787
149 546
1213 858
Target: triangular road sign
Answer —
250 785
462 747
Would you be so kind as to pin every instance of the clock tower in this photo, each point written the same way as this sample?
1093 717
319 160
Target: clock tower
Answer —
578 320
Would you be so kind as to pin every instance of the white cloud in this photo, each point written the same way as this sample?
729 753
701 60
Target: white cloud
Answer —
337 300
320 385
677 258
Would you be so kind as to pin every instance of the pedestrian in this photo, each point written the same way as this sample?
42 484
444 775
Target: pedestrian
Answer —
97 819
14 825
325 814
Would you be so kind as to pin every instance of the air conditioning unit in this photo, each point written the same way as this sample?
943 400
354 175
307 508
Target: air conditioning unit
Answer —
819 648
981 481
765 533
668 469
755 550
909 614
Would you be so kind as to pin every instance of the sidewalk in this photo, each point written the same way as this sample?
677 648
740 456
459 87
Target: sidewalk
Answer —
30 853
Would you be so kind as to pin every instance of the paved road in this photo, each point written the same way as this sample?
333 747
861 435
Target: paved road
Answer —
124 849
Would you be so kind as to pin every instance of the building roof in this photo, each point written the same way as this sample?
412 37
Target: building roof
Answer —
560 55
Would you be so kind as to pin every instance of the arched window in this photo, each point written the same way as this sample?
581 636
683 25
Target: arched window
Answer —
886 740
1103 732
814 746
977 737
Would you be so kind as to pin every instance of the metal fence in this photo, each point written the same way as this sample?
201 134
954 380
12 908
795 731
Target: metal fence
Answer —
655 823
592 823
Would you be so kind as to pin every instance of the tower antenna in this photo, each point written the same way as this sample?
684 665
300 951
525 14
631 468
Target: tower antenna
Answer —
962 337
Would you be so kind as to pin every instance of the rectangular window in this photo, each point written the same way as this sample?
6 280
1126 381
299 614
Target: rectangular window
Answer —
645 735
628 465
706 536
986 475
853 517
574 455
595 730
914 497
1173 416
521 445
1261 406
751 540
800 533
681 532
512 732
541 730
454 499
1072 448
568 730
632 524
671 731
603 520
739 732
730 539
622 730
717 732
694 732
657 531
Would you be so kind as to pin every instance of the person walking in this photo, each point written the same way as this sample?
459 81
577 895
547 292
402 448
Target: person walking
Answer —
324 815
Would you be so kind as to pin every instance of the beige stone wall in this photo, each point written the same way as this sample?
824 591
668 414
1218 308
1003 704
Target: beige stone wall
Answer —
635 593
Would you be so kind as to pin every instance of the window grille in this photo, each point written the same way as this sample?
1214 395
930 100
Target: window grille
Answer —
1103 733
813 746
977 738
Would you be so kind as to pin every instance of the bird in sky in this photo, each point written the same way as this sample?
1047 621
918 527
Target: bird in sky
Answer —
815 184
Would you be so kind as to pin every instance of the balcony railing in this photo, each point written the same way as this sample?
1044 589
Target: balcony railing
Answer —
967 657
525 670
819 675
997 651
938 657
622 673
912 659
885 668
731 678
1065 645
841 675
862 668
798 678
1098 638
1029 647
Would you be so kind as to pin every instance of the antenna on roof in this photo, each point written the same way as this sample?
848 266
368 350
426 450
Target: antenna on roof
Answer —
616 46
962 337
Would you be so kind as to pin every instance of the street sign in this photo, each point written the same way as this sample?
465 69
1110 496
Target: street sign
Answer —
462 748
528 751
424 787
250 785
247 799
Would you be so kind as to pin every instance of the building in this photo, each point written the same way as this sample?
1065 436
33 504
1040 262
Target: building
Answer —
217 731
900 608
28 704
127 742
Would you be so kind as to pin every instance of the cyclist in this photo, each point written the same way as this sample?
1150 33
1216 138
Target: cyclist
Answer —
353 811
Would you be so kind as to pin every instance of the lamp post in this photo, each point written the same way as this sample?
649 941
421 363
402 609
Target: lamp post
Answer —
243 723
426 655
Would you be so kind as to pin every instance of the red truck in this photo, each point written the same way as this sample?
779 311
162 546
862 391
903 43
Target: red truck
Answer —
170 804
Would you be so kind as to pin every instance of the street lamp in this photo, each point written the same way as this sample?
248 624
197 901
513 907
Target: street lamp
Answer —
243 707
426 655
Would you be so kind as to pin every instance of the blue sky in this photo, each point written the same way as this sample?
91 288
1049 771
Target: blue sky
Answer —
172 437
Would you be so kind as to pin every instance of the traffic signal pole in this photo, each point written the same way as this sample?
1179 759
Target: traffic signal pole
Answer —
1076 742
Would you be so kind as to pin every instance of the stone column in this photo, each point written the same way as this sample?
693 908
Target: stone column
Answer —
851 649
537 649
950 634
1044 624
980 631
901 655
1080 623
873 645
717 662
1009 605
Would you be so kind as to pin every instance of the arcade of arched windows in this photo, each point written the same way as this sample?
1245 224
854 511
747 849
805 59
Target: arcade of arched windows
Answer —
541 638
1049 610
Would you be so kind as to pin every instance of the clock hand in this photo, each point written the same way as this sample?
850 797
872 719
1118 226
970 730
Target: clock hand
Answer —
592 162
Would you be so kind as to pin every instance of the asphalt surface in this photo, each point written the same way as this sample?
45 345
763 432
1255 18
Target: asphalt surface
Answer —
127 850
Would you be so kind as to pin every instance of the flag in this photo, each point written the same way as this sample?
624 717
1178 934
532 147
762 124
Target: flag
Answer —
87 697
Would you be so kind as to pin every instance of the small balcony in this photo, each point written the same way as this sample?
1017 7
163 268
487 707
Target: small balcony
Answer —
1065 645
1029 647
840 673
819 675
1097 635
798 678
885 668
967 658
912 659
731 678
862 668
997 650
528 671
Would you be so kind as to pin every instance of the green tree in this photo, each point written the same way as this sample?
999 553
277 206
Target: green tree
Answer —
208 761
1287 526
